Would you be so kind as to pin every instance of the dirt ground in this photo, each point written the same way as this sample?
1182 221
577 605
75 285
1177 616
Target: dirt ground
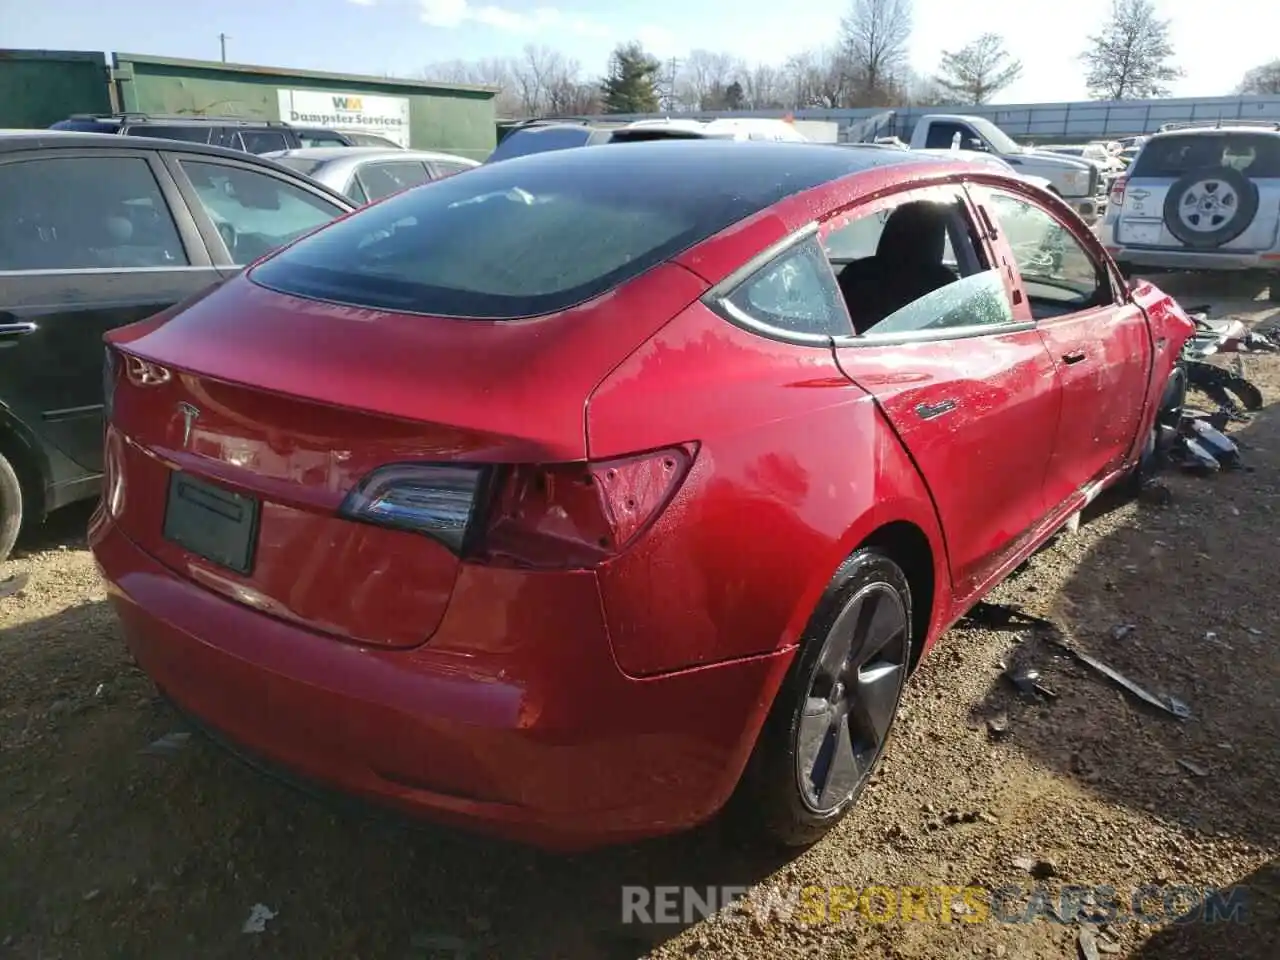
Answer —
112 849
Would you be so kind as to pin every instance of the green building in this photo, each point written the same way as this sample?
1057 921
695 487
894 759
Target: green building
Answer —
40 87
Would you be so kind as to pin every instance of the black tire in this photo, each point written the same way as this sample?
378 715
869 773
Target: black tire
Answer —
769 799
1235 224
10 508
1159 441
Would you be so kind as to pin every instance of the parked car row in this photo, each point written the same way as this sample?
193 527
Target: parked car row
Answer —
251 136
442 504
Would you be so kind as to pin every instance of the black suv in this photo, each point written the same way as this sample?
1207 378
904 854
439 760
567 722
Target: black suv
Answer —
97 232
251 136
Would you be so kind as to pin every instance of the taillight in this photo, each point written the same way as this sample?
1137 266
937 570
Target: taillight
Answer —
438 500
550 516
1117 191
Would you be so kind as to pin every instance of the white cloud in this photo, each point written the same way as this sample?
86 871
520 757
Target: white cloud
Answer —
363 3
447 14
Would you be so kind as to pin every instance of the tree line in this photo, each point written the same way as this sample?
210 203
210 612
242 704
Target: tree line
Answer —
1130 57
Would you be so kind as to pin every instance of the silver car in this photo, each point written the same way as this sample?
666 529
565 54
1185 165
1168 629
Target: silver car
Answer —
366 174
1201 198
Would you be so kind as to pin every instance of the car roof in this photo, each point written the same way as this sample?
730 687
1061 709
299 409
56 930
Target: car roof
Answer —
725 161
16 141
1213 131
361 154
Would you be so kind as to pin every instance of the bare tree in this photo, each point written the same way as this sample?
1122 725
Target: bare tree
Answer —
489 72
1262 80
764 88
818 78
925 91
873 43
978 71
1132 58
704 78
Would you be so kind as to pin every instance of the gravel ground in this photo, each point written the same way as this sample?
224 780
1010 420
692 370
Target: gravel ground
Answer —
108 850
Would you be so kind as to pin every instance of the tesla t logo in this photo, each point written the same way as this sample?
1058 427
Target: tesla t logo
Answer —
189 416
146 374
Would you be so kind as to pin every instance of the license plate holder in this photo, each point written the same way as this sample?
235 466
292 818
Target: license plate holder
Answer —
212 522
1146 234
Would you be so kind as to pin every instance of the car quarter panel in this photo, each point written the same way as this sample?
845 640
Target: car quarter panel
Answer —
795 468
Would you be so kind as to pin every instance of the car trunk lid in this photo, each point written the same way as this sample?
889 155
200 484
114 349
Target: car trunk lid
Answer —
263 411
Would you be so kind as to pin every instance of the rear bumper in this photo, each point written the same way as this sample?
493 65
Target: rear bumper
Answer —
1193 259
514 719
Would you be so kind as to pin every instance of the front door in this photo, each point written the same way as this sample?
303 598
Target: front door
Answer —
88 241
957 369
1099 340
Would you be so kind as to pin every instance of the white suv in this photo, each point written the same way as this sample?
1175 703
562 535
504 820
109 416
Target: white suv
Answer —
1201 198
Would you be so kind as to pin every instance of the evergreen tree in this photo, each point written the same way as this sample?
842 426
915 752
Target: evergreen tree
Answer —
632 83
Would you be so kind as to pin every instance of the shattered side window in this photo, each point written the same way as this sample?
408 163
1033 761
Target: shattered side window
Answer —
976 301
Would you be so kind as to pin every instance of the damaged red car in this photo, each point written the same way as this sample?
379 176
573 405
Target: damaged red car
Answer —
576 497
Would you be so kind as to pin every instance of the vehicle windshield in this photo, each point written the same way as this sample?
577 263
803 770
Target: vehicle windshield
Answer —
1257 155
994 135
539 234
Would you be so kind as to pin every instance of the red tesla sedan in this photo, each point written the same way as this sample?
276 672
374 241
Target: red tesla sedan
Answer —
569 497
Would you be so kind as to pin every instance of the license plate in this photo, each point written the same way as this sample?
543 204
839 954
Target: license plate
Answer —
211 522
1140 233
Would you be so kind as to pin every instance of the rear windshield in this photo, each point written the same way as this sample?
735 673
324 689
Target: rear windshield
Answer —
521 143
540 234
87 126
1253 154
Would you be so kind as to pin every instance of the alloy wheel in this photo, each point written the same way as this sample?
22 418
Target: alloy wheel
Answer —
852 698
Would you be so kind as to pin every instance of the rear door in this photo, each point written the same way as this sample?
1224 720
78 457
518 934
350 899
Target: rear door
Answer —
245 211
1185 190
89 240
1098 338
962 376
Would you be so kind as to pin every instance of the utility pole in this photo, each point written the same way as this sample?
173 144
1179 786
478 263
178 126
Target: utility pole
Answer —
222 39
670 84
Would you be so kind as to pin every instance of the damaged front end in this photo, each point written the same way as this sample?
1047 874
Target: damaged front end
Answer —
1195 438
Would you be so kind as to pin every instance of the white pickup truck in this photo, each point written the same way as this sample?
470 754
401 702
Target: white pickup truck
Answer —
1077 181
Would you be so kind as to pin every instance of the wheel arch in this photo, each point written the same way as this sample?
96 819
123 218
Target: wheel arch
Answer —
908 546
23 453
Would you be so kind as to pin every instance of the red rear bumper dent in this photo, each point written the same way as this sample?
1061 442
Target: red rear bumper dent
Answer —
515 719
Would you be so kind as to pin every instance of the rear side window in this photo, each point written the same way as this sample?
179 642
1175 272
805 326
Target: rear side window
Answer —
320 138
1255 155
253 211
263 141
524 239
77 213
189 134
538 140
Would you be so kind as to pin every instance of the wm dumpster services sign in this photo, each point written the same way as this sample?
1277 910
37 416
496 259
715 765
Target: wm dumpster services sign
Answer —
356 112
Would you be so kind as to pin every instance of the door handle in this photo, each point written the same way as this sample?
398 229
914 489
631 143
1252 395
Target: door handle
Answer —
1075 357
9 330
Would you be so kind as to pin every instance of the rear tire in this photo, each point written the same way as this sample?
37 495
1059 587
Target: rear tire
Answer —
831 720
10 508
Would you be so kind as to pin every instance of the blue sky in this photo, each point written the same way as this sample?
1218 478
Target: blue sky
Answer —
1217 41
